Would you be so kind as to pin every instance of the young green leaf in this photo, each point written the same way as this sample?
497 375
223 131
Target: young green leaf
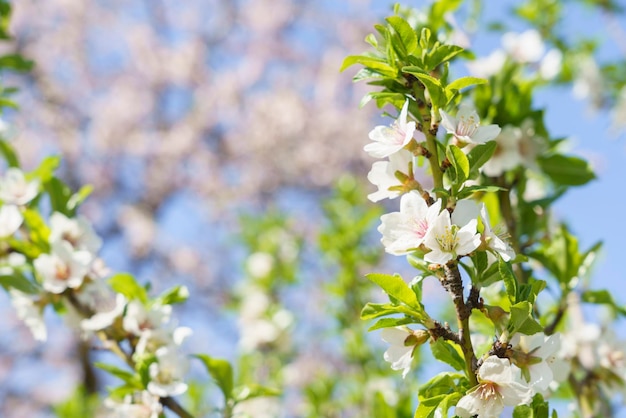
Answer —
397 288
405 32
459 161
221 371
126 284
566 171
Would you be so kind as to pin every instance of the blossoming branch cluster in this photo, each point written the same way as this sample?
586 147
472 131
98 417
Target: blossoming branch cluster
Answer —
55 263
486 214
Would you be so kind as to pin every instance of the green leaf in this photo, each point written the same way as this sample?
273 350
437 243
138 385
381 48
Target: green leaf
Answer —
9 154
508 277
522 411
18 281
397 288
390 322
448 353
480 154
59 194
177 294
459 161
376 310
464 82
378 65
405 33
567 171
126 284
602 297
130 378
434 88
38 230
441 54
221 371
46 168
79 197
250 391
16 62
521 319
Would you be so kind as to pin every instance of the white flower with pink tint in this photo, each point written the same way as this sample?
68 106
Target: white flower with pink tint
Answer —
500 384
15 189
447 241
466 128
383 175
404 231
63 268
76 231
390 139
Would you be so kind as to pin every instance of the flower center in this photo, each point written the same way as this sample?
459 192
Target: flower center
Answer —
487 390
467 126
448 240
420 227
62 272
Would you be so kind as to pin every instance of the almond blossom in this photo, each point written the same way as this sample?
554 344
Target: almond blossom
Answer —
15 189
383 175
506 156
138 318
500 384
63 268
447 241
536 356
30 311
402 343
465 127
76 231
10 220
139 405
167 373
492 241
525 47
391 139
404 231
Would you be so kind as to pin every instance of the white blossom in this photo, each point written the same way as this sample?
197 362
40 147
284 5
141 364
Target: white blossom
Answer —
138 318
260 264
492 241
536 356
402 343
15 189
63 268
10 220
507 155
29 311
167 373
76 231
383 175
106 305
391 139
551 64
404 231
500 384
153 339
487 66
140 405
525 47
447 241
465 127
